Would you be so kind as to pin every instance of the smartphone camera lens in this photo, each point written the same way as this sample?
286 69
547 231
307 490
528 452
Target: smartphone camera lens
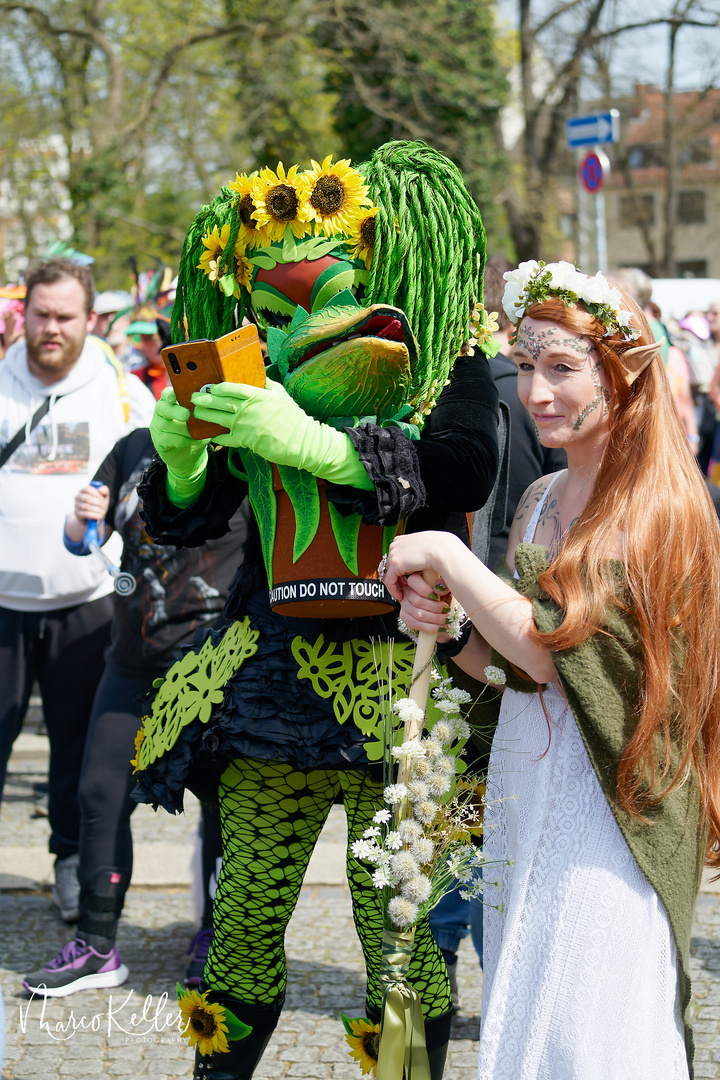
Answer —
174 362
191 365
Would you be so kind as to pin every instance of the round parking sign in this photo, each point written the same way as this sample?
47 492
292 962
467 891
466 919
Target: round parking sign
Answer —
591 173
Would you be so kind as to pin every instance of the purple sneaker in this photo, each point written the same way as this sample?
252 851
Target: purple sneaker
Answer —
199 948
77 967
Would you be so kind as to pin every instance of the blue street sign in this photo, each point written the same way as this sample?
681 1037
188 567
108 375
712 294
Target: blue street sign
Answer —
594 130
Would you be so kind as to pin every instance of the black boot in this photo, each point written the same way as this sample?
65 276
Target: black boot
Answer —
437 1035
240 1061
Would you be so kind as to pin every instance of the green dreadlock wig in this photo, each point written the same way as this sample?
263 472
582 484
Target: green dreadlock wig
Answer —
429 251
419 245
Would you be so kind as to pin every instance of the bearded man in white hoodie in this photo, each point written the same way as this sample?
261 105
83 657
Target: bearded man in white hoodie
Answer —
64 404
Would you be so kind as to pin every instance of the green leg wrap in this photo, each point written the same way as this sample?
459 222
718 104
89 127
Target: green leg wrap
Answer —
272 816
428 971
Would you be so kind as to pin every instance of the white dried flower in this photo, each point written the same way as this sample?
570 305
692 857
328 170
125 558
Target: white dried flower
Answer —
372 831
422 850
408 710
409 750
461 729
421 768
417 889
460 696
433 747
445 705
393 841
438 785
394 793
445 764
442 731
417 791
425 811
382 816
409 830
402 912
495 675
404 866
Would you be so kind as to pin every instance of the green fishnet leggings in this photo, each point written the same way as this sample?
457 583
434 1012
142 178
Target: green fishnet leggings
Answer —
272 815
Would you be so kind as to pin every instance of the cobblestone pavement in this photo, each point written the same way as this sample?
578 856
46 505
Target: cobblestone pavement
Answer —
102 1033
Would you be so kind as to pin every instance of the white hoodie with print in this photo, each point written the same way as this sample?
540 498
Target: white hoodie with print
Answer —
39 482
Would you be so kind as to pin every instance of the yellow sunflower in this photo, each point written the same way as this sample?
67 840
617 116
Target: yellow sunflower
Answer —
336 195
279 202
364 1043
139 740
364 237
242 271
204 1023
214 243
250 234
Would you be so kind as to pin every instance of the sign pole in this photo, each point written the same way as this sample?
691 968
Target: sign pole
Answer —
600 232
592 131
584 221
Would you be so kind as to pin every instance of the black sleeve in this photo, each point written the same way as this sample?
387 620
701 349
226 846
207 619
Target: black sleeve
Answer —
458 451
121 462
206 519
452 467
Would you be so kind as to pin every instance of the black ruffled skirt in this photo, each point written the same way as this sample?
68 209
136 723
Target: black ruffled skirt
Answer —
267 712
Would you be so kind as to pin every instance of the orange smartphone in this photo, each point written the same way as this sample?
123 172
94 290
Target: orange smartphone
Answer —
195 365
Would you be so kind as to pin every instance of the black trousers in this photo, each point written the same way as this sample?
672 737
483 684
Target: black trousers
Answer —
63 650
106 853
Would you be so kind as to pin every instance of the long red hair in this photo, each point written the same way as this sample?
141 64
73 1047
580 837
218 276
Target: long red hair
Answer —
649 492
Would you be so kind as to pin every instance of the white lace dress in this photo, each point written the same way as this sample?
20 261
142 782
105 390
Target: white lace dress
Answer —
580 964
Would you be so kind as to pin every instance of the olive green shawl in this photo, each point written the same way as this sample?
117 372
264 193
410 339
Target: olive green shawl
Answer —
602 680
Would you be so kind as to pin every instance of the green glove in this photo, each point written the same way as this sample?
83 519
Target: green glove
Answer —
272 425
185 457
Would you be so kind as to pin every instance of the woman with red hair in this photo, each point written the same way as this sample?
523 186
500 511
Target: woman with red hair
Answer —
603 795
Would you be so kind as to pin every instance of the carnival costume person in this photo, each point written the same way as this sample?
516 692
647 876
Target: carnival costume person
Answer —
367 285
603 784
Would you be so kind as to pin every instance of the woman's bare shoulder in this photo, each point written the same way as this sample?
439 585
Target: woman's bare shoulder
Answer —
525 510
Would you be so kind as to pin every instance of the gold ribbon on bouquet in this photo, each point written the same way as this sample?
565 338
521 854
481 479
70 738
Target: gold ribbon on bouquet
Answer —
402 1028
402 1036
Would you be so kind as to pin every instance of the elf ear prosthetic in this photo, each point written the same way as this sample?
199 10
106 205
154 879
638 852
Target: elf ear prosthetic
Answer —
635 360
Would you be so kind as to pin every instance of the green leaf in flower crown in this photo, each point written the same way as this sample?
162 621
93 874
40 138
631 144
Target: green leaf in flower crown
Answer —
289 248
262 500
264 259
346 531
227 284
316 247
302 490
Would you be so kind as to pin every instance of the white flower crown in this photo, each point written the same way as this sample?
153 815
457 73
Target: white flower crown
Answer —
533 282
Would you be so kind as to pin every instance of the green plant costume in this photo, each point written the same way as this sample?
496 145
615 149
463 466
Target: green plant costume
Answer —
288 709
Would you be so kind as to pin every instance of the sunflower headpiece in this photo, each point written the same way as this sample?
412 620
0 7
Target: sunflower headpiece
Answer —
400 229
